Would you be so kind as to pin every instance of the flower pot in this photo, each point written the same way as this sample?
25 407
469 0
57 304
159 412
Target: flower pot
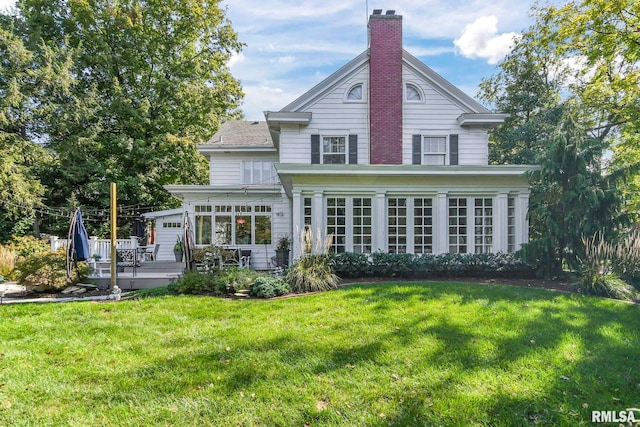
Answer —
282 257
178 255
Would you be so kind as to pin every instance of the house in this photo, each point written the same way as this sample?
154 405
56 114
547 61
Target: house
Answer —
384 154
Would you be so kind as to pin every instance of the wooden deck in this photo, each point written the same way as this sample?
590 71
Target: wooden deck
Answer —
150 274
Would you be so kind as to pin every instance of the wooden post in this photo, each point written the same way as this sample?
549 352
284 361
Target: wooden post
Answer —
114 229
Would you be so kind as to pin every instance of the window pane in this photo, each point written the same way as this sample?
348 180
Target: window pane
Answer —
223 230
246 172
412 93
203 230
355 93
263 230
267 177
243 230
257 176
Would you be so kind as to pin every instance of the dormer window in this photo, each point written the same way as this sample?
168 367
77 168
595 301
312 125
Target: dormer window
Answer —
355 93
412 93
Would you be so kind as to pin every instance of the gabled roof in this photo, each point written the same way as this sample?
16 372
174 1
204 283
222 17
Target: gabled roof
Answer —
440 84
240 134
321 88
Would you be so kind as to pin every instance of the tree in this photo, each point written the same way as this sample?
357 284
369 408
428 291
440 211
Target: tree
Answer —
528 87
150 80
20 83
572 198
571 113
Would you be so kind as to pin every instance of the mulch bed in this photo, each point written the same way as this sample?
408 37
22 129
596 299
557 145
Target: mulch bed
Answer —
529 283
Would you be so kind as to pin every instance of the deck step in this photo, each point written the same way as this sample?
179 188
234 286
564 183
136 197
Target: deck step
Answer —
244 291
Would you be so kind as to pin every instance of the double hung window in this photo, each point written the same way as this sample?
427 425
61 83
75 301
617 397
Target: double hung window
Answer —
334 150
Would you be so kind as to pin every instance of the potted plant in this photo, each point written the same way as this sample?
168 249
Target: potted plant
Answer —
282 251
178 249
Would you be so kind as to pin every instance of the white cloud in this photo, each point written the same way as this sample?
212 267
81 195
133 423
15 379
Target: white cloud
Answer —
236 58
284 59
480 39
268 97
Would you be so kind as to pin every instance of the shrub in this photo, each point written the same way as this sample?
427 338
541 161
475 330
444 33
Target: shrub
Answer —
8 258
48 271
392 265
428 265
311 273
206 257
610 286
194 283
24 246
269 287
231 280
350 264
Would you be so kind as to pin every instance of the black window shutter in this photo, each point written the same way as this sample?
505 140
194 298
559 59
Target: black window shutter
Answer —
453 149
353 149
315 149
417 149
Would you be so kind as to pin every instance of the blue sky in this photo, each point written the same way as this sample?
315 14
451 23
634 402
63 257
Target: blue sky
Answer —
293 45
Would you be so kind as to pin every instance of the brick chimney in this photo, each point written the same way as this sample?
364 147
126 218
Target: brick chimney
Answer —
385 88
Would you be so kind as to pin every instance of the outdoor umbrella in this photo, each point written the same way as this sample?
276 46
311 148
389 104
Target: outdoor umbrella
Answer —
80 238
78 241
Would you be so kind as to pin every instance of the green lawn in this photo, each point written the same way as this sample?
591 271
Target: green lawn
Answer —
394 354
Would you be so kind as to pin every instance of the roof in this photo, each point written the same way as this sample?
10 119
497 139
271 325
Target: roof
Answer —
159 214
474 112
239 133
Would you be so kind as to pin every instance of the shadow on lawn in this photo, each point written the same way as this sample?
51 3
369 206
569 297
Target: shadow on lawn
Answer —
604 368
592 350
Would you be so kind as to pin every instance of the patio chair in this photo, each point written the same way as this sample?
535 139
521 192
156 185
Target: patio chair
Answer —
245 258
152 256
230 258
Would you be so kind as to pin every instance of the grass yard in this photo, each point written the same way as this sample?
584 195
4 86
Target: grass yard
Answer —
387 354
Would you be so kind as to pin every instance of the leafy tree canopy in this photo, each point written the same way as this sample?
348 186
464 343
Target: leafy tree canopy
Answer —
146 81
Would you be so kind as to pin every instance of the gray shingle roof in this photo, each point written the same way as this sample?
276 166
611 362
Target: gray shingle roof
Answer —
240 133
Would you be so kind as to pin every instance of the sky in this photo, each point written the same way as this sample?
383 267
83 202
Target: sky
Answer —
291 45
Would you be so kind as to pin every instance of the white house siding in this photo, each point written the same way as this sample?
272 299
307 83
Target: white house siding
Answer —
167 234
280 219
226 168
331 114
436 115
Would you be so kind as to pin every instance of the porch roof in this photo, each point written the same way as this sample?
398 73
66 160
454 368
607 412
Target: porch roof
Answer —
356 175
182 191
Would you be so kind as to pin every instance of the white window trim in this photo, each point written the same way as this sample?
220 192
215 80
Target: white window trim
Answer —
363 100
446 146
251 169
417 88
346 147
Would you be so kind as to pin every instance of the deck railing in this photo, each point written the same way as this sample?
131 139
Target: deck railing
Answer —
101 247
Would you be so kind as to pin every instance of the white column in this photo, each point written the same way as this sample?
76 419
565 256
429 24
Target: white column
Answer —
522 219
500 223
379 223
296 219
54 243
440 224
317 217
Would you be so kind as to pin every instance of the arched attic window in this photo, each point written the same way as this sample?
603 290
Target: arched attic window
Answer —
355 93
412 93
